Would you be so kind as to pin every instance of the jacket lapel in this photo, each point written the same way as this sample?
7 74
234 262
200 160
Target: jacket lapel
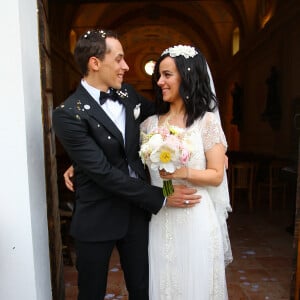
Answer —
95 111
131 130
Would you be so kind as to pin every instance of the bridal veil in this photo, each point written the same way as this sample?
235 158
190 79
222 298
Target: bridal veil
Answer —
220 198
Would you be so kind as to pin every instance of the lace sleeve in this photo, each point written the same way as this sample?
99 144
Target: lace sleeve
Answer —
212 132
144 125
148 125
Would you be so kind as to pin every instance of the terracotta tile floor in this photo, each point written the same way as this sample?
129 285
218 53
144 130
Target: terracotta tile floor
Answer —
263 259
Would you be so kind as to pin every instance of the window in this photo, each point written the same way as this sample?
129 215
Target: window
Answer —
73 38
235 41
265 12
149 67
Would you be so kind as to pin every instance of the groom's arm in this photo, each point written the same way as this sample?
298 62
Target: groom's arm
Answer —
73 133
181 193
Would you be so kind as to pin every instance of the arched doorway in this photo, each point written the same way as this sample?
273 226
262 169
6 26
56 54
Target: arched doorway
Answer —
56 23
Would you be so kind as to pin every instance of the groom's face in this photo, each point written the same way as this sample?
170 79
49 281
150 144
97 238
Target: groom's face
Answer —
113 66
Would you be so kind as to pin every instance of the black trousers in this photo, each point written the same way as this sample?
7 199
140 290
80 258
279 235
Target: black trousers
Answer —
93 261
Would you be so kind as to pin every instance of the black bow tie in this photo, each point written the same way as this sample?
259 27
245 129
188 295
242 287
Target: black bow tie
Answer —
112 95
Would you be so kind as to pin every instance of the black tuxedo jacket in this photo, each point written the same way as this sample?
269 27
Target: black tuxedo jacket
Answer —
106 197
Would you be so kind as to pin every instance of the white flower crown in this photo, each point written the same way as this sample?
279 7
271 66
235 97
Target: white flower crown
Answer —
186 51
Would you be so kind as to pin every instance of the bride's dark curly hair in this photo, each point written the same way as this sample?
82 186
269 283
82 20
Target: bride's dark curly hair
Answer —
195 88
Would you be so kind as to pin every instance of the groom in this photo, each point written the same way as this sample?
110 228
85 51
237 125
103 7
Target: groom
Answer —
98 126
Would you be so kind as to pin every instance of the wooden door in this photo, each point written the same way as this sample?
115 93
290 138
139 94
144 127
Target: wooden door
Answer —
55 244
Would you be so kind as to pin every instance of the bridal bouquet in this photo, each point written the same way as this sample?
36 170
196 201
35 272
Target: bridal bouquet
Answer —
166 148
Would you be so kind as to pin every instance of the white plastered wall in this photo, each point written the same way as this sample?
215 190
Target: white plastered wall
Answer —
24 250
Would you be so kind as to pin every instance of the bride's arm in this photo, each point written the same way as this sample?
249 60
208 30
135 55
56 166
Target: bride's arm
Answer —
212 175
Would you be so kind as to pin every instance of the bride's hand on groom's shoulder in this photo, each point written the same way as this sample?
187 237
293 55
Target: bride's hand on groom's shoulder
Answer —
183 197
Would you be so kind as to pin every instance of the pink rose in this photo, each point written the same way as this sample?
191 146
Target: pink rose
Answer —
185 156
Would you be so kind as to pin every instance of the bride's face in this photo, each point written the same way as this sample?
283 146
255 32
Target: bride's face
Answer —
169 80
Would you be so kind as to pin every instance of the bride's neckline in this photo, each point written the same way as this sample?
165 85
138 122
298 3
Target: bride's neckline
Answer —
167 120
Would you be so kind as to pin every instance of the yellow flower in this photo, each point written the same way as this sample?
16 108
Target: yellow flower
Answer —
165 156
173 131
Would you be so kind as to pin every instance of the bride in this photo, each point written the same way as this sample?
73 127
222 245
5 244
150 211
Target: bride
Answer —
190 248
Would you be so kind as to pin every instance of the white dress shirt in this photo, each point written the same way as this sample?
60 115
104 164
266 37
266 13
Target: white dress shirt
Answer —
114 109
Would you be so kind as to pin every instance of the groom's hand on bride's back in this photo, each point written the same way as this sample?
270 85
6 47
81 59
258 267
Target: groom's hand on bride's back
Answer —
183 197
68 176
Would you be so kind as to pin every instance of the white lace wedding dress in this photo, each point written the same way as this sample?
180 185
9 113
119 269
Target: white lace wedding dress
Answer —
189 248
